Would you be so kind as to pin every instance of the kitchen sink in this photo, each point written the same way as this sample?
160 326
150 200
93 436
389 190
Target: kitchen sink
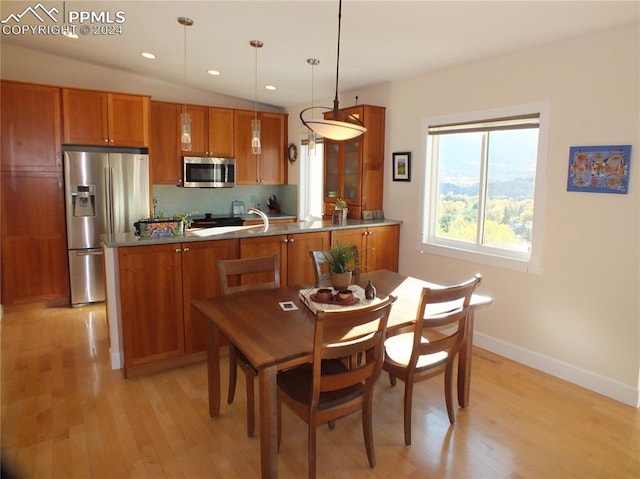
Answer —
218 230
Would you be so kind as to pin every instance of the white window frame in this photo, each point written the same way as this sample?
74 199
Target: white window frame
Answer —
308 178
531 261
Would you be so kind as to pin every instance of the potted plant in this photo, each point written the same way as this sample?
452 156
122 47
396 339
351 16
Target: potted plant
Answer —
184 217
340 210
340 259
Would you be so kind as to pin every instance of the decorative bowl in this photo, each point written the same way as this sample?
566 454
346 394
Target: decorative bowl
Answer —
344 295
158 228
324 294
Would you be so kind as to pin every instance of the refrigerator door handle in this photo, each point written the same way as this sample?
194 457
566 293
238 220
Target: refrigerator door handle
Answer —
109 205
90 252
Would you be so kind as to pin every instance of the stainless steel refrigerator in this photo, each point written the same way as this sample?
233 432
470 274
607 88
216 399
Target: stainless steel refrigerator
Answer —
106 192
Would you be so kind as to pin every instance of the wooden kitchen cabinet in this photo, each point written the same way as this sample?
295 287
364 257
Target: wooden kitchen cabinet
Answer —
211 135
200 280
157 282
164 149
378 246
354 169
33 232
151 304
296 267
105 119
31 127
269 167
34 238
211 131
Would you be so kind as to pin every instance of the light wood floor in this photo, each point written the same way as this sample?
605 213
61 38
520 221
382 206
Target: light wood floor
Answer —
66 414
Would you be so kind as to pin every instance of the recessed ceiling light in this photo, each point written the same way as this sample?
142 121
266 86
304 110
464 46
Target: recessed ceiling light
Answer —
69 34
215 73
270 87
150 56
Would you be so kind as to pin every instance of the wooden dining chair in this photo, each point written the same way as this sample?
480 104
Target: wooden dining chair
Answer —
420 354
327 388
250 274
319 259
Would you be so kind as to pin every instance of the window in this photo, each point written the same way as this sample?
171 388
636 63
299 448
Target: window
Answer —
311 189
483 186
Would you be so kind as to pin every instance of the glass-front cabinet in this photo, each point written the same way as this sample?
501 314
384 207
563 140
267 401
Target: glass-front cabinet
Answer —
354 169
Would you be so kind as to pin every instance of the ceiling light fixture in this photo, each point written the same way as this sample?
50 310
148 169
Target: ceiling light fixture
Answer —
215 73
185 118
256 146
150 56
311 138
335 129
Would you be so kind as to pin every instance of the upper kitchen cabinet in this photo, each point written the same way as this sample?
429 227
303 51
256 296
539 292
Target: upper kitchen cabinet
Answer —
106 119
270 166
211 131
164 149
354 169
31 133
211 135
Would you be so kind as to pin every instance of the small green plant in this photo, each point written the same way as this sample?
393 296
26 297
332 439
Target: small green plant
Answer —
340 204
341 258
185 217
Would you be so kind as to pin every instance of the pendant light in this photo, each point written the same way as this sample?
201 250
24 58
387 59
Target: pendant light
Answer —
335 129
311 138
256 146
185 118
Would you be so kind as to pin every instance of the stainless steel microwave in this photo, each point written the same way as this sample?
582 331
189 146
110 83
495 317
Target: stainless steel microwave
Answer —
208 172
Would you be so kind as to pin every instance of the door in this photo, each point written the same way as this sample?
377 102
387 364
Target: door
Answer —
85 116
151 303
31 132
300 270
265 246
165 145
86 275
200 280
128 192
85 193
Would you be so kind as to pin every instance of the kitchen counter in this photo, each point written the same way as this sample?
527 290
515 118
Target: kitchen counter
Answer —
230 232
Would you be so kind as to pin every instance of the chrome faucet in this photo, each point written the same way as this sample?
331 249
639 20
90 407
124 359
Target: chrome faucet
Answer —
261 214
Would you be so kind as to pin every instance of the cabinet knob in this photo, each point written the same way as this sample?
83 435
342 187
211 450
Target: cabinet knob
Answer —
186 250
291 240
178 250
285 240
106 140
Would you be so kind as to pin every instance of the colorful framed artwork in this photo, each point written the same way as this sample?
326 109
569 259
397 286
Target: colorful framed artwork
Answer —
402 166
599 169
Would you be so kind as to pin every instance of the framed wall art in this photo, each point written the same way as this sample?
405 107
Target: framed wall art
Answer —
599 169
402 166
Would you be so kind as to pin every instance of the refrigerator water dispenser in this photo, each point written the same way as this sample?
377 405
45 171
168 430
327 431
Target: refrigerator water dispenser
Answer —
83 199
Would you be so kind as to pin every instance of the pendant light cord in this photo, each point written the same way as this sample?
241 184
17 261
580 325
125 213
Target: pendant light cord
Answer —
335 100
255 85
184 107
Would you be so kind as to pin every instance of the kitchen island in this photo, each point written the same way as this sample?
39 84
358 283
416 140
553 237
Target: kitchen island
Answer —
151 281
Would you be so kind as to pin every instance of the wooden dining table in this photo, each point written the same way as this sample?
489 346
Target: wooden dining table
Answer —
273 339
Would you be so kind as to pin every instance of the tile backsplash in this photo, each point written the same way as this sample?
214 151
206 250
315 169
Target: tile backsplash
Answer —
175 199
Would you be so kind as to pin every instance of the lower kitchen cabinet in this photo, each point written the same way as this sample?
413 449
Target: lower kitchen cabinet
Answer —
34 238
157 282
200 280
378 246
296 267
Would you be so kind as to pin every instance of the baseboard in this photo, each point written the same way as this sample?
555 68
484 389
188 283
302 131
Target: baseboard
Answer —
589 380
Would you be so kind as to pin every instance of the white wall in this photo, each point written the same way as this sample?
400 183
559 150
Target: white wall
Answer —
580 318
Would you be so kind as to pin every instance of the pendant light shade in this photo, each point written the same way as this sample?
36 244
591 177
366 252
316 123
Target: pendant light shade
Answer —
185 118
256 145
335 128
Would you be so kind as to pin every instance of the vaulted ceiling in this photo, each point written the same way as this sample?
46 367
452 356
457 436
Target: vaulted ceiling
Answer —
381 41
